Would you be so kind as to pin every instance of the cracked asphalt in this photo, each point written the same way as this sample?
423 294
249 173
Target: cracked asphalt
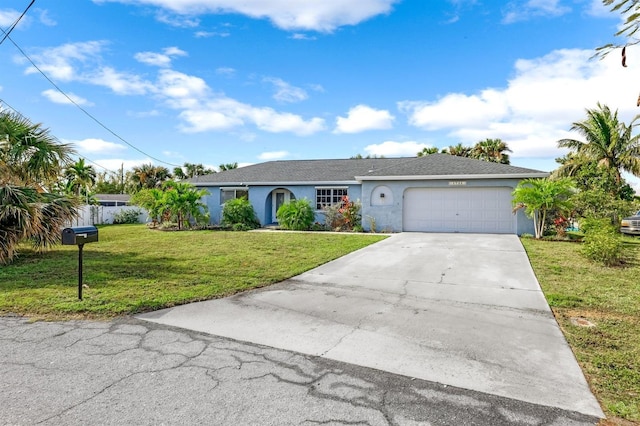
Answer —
134 372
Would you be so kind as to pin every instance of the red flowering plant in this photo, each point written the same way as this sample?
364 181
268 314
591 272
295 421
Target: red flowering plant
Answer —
343 216
561 223
350 211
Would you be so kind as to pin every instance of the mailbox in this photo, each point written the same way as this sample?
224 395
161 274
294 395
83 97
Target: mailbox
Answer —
79 235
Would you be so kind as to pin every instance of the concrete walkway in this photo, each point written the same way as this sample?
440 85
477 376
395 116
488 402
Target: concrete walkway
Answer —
457 309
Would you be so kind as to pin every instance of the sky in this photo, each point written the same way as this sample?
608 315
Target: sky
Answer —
223 81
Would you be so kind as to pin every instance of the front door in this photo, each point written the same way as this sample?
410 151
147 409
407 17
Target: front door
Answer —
280 197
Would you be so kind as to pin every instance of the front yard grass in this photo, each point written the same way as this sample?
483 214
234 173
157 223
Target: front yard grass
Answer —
609 298
133 269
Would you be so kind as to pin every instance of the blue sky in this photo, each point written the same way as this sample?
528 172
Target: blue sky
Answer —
220 81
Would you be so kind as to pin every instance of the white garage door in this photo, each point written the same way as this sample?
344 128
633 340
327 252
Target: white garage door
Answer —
481 210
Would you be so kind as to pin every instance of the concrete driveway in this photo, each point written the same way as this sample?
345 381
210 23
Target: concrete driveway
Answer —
459 309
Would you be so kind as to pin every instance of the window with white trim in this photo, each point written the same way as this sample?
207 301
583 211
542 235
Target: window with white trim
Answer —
329 196
227 194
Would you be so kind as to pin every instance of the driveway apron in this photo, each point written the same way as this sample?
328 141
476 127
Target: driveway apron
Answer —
463 310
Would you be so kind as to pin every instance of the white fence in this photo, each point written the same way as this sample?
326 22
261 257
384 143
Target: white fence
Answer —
101 215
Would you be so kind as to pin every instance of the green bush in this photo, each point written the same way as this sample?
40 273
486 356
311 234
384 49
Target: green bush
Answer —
604 244
239 214
297 215
127 216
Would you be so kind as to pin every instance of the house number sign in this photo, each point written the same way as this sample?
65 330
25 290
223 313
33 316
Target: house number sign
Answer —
457 183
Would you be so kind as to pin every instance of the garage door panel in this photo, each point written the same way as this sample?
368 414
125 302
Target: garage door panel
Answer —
482 210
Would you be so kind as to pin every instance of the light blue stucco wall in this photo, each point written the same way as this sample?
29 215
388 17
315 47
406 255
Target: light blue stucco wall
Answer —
389 217
260 197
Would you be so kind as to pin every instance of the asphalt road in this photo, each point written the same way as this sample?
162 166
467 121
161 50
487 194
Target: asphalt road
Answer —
140 373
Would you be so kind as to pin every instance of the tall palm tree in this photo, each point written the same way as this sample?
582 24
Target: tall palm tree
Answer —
459 150
228 166
609 142
189 170
31 162
148 176
428 151
29 154
492 150
80 178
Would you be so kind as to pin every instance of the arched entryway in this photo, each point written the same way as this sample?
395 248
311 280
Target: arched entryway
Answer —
279 197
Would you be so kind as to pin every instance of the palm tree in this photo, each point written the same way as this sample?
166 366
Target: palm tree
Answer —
428 151
228 166
190 170
148 176
183 201
459 150
80 178
29 154
31 162
540 196
492 150
609 143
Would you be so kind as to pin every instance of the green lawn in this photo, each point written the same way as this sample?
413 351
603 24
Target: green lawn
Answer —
133 269
609 353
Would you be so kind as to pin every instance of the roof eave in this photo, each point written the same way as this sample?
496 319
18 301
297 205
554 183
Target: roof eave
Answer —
457 177
290 183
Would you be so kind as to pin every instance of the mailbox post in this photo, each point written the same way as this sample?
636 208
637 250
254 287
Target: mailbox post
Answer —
79 235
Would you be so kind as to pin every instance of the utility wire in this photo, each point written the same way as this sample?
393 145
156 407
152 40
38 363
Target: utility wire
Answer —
2 101
6 34
80 108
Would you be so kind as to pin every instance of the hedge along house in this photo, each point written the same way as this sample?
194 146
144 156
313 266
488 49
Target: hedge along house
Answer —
434 193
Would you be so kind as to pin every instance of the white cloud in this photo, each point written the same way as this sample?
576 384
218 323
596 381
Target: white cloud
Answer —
97 146
538 105
144 114
301 36
274 155
58 98
176 20
396 149
598 9
323 16
8 17
522 11
228 71
199 107
285 92
361 118
45 19
62 62
160 59
207 34
119 82
226 113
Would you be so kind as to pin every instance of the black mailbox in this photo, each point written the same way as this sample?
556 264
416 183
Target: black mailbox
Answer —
79 235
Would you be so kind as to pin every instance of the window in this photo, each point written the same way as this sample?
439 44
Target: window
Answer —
231 193
329 196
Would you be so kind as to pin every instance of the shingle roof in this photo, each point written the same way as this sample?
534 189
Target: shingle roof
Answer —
112 197
350 170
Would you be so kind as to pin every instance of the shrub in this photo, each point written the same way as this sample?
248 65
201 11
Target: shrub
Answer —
344 216
297 215
127 216
333 218
603 243
239 214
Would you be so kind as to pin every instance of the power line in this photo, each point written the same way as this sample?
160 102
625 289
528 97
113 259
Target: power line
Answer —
6 34
104 126
2 101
